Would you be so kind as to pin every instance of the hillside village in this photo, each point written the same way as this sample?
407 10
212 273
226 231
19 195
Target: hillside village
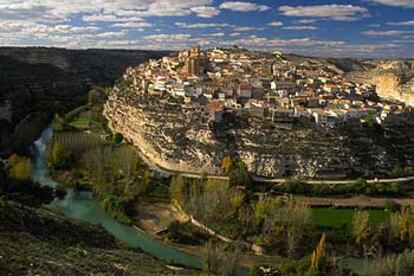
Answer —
220 81
267 109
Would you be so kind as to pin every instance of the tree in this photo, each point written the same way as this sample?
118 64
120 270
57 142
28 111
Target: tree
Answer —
319 253
20 168
145 183
221 259
360 226
59 123
226 164
177 189
402 225
59 157
239 175
118 138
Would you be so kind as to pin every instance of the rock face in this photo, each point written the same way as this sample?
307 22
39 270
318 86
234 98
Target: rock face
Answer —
38 82
394 79
175 141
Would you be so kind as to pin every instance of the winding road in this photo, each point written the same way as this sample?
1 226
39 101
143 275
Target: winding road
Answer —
165 172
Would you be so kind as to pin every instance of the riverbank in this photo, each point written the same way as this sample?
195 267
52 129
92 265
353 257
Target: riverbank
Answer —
43 242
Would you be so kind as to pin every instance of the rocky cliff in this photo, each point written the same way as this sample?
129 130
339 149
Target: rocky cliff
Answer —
177 141
37 82
394 79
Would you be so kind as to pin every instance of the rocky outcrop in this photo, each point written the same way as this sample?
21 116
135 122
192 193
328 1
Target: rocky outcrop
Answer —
393 79
188 143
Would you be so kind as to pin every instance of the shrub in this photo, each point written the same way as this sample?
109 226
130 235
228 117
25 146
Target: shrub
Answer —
294 186
118 138
20 169
59 158
391 205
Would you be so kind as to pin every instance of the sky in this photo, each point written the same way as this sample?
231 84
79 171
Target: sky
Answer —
329 28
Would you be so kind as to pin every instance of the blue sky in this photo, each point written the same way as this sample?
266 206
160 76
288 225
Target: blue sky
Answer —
337 28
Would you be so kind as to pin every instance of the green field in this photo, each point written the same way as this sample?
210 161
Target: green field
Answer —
336 218
77 142
81 122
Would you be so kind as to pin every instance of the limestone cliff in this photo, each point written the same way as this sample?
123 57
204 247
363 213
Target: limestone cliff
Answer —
394 79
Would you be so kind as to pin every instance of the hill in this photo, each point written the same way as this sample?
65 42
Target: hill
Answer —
38 82
42 242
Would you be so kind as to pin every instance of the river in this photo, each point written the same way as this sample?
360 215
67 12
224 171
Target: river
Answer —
82 206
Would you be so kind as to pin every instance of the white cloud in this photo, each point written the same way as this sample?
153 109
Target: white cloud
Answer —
333 12
234 34
275 24
385 33
217 34
403 23
247 29
243 6
205 12
169 38
202 25
133 25
306 21
112 34
396 3
263 42
109 18
300 28
61 10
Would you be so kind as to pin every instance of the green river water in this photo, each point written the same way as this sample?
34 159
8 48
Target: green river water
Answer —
82 206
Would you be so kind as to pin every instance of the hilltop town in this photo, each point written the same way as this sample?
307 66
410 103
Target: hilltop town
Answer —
281 115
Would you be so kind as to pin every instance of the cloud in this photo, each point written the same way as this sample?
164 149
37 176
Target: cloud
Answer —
306 21
112 34
63 10
133 25
234 34
247 29
299 28
243 6
168 38
396 3
333 12
202 25
262 42
275 24
385 33
109 18
205 12
217 34
403 23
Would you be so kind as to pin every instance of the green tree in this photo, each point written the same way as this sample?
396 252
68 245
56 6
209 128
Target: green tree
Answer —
145 183
59 157
118 138
59 123
177 187
239 175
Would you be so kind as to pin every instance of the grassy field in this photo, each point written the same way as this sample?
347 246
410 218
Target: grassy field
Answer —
77 142
336 218
81 122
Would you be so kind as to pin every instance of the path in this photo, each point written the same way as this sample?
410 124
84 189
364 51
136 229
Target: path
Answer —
167 173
